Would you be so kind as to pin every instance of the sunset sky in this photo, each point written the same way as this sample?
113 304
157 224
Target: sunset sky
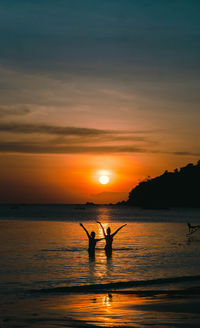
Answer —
91 88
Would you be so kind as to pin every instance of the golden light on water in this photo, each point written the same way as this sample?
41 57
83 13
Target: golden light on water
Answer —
102 309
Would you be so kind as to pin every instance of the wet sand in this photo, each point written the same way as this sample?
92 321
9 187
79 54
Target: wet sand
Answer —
114 309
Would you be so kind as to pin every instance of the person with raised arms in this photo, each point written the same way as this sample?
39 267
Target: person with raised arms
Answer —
92 241
109 237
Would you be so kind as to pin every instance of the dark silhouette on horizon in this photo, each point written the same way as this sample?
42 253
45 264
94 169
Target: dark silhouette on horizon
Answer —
92 241
109 238
171 189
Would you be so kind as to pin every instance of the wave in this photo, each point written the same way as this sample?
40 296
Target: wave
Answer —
116 285
124 249
63 249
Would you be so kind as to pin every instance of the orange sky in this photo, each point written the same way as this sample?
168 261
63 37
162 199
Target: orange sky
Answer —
93 86
74 178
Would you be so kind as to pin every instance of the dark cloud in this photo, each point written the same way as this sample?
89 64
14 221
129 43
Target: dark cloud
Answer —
45 148
51 148
69 139
67 131
4 111
185 153
50 129
77 140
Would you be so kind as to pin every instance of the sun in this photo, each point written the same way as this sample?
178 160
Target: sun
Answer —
104 179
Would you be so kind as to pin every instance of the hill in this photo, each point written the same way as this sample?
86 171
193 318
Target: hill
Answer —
172 189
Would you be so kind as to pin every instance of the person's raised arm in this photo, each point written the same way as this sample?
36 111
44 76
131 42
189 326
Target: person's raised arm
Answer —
118 229
100 239
102 228
85 230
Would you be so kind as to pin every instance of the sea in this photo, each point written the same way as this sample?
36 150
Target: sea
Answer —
43 250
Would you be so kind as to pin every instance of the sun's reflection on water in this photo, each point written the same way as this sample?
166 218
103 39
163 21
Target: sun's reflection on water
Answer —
102 309
107 300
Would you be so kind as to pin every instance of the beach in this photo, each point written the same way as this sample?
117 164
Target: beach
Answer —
112 309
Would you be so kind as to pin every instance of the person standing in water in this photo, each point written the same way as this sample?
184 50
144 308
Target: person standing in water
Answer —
109 238
92 241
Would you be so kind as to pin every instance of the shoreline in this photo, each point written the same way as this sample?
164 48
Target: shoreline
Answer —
166 308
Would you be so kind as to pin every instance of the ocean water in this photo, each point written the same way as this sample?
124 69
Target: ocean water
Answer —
43 250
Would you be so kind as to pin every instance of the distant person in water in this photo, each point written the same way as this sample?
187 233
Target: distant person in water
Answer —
92 241
109 238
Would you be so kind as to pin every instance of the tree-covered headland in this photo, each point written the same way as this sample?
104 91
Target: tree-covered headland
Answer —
180 188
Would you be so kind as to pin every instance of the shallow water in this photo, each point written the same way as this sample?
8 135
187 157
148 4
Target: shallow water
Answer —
38 254
44 249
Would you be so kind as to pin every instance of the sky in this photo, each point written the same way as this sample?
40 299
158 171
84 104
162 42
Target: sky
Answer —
91 88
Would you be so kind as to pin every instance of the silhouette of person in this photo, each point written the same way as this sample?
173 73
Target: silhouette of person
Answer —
109 238
92 241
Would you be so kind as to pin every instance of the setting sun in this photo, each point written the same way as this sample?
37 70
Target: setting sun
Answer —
104 179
